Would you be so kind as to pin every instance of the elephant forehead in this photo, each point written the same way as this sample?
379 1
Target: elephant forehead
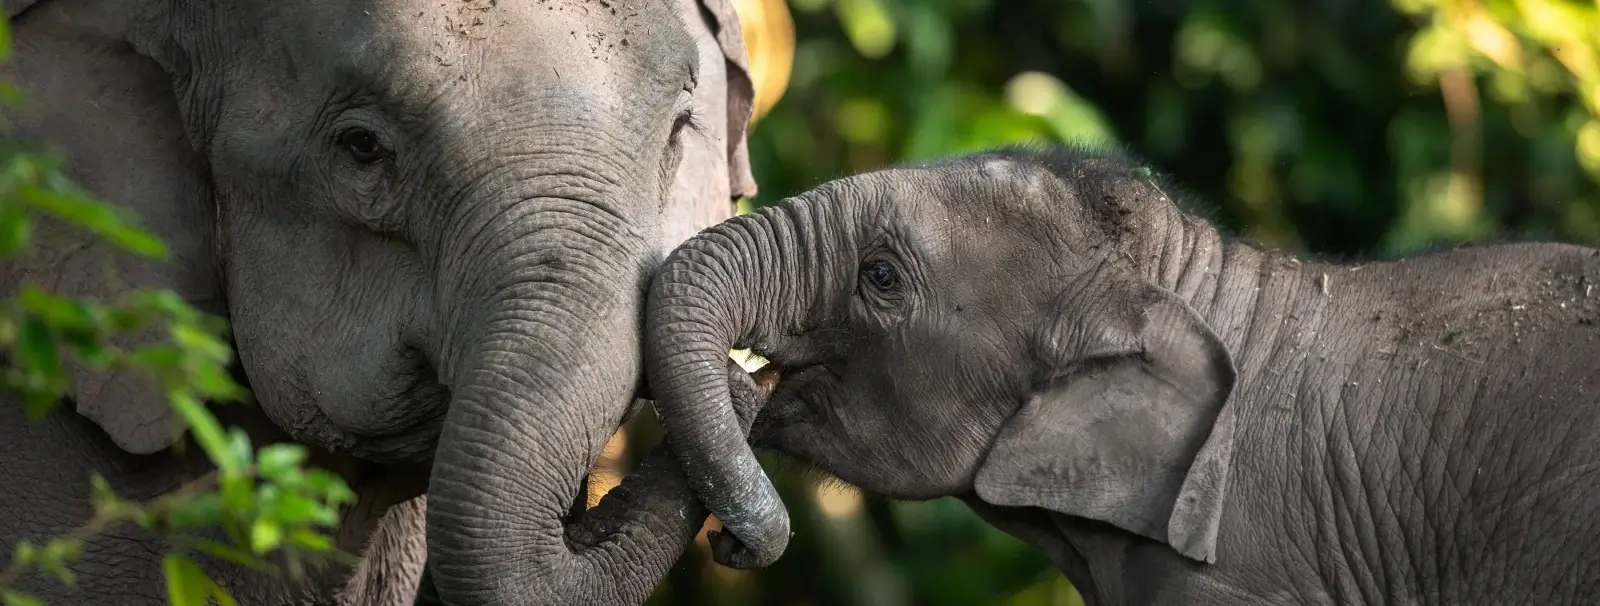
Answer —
528 45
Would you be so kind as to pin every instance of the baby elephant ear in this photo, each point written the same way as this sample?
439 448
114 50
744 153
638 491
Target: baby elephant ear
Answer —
1134 428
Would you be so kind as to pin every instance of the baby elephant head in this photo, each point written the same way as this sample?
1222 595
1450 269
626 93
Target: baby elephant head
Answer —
979 324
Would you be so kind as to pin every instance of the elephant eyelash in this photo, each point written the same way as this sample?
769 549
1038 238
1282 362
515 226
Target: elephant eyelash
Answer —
692 120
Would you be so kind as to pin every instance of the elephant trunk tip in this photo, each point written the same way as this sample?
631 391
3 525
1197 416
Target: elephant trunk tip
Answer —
757 529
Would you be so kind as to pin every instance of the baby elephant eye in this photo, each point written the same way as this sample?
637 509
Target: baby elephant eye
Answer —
881 274
362 145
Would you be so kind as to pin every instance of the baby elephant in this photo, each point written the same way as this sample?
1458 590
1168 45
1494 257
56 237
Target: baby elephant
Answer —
1174 416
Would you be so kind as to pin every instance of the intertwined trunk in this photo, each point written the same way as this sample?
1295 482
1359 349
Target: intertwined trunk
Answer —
748 280
542 364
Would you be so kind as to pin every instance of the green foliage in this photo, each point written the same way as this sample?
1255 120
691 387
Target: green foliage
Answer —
1351 129
262 502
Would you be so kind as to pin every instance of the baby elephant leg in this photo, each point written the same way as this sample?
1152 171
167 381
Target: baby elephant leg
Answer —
391 566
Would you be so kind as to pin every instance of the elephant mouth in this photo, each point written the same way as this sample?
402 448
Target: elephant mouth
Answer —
787 388
407 430
792 380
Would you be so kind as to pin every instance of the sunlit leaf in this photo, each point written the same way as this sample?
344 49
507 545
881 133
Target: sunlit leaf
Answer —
265 536
201 344
239 451
205 430
23 553
332 487
295 509
868 24
278 460
187 585
17 598
220 594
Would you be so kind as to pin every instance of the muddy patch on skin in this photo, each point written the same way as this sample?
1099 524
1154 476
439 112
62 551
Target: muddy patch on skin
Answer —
1512 306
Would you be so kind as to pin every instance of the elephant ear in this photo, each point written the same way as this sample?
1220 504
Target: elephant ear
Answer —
1132 427
110 113
741 93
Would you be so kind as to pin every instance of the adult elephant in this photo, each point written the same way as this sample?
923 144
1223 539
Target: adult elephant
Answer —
429 224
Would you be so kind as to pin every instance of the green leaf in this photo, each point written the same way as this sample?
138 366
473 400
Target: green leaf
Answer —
157 356
14 229
125 317
310 540
11 94
24 553
213 381
331 487
63 549
294 509
187 585
36 346
89 348
61 313
265 535
198 511
39 401
199 343
221 595
205 430
237 496
105 500
17 598
53 559
98 217
229 553
280 461
5 39
166 302
238 448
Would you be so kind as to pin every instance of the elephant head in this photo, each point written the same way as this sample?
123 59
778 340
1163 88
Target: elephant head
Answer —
429 224
976 324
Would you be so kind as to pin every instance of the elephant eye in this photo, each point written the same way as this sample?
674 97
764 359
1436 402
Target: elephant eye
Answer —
362 145
683 120
881 275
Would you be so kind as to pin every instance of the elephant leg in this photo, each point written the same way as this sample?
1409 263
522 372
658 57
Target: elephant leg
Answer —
391 566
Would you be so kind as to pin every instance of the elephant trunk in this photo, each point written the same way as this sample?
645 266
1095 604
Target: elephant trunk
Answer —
730 286
541 379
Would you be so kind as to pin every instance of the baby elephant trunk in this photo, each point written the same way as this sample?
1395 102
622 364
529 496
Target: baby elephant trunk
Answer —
737 283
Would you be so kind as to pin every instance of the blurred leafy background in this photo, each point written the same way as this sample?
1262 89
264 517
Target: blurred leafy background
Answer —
1350 128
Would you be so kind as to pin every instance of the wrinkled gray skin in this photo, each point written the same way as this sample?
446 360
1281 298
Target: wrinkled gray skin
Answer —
430 226
1175 417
